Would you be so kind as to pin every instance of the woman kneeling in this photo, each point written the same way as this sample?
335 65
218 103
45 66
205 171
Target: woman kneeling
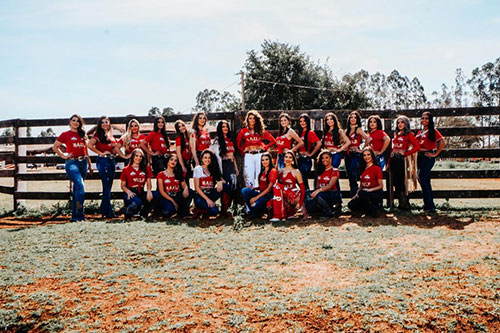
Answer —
369 196
133 178
175 195
208 184
327 194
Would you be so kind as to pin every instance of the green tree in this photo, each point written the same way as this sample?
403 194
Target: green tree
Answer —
49 132
154 111
485 84
214 101
280 76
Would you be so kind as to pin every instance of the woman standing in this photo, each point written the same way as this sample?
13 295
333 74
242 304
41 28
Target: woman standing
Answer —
223 148
77 163
431 144
289 191
208 184
404 144
379 140
355 133
309 149
250 143
130 141
256 200
103 144
200 138
334 139
369 194
182 149
175 194
327 194
285 137
135 176
156 145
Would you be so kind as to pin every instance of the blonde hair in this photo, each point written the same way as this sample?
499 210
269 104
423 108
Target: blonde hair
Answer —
127 137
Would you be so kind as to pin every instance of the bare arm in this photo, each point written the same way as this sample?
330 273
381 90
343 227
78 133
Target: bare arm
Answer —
118 150
91 145
346 140
297 139
57 149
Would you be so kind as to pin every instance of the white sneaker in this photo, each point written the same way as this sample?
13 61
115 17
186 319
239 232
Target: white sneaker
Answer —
274 219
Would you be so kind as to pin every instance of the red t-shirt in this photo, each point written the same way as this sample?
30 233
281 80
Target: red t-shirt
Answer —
377 141
186 153
203 140
170 183
264 183
323 179
328 141
229 145
425 143
74 143
369 177
135 178
106 147
133 144
206 181
312 138
402 142
254 139
355 140
157 142
282 143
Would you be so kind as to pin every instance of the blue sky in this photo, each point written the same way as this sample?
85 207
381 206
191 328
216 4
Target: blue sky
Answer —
122 57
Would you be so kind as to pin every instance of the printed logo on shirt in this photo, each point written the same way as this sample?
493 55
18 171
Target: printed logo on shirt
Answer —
74 138
133 173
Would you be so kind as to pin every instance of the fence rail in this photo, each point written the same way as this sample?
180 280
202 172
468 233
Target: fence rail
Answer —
14 159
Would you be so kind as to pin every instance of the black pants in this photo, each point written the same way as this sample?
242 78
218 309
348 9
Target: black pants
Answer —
398 175
366 202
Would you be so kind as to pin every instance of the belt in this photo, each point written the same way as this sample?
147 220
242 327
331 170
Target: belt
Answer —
110 156
207 191
79 158
172 194
255 152
427 151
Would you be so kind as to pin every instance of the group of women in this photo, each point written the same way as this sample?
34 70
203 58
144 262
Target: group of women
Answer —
276 188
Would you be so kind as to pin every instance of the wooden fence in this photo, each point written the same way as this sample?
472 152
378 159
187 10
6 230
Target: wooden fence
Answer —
18 159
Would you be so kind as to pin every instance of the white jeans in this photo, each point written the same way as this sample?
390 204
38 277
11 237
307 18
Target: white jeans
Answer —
251 169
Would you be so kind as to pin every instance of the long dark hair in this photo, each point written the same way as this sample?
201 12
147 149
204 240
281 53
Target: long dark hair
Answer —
177 170
194 124
282 130
142 165
213 167
348 123
430 128
362 163
163 130
320 168
259 121
307 119
271 166
100 133
334 131
220 137
80 130
184 136
377 120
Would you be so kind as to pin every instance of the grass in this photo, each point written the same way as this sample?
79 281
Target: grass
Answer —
391 275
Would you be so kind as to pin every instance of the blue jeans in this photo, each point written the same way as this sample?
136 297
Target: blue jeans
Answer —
137 204
336 159
168 208
322 204
106 167
381 161
281 161
425 165
305 166
352 167
77 172
259 207
202 203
